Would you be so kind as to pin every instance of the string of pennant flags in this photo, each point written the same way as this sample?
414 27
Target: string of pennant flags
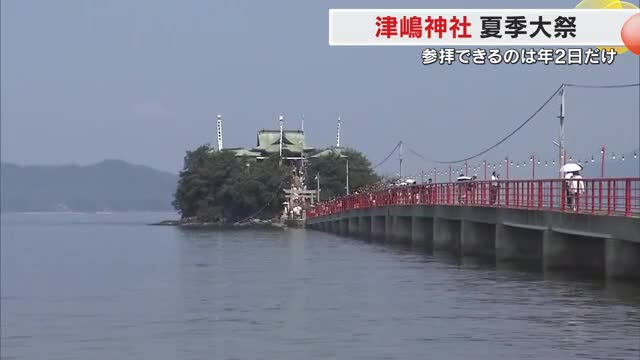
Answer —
483 169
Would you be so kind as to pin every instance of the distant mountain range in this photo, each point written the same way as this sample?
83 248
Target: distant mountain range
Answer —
111 185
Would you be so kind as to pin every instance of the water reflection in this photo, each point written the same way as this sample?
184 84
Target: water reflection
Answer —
131 291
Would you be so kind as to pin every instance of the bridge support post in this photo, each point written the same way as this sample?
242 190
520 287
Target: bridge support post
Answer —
344 227
446 235
401 229
584 254
622 259
388 227
519 245
335 226
364 228
477 239
378 227
353 225
422 232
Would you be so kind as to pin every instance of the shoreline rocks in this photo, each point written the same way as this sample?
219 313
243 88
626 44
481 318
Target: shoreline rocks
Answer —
194 224
167 223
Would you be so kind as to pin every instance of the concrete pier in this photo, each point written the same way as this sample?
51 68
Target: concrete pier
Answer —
354 226
604 246
477 239
422 232
378 227
446 235
335 226
621 259
364 230
343 228
568 250
519 243
401 231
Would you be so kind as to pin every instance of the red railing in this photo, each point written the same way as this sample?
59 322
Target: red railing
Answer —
611 197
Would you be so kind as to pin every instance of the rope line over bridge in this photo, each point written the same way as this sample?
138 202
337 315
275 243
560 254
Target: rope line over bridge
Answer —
512 133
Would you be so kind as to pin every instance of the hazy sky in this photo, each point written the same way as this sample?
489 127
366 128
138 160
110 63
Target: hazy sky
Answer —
143 81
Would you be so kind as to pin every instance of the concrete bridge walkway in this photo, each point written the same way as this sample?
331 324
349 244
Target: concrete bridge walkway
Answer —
588 242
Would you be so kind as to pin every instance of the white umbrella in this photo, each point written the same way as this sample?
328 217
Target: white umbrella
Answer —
570 167
463 178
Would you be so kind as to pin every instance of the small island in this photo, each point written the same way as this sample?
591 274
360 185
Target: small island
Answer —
266 185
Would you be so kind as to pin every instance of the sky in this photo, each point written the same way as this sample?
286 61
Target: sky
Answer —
143 81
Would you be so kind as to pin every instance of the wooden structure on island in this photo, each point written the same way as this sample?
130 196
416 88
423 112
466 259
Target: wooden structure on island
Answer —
301 197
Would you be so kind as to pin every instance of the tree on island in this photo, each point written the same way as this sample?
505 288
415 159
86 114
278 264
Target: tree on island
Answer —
217 186
332 169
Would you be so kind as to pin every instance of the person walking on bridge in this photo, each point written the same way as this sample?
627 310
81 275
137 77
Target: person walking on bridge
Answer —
472 191
576 189
430 191
567 189
493 188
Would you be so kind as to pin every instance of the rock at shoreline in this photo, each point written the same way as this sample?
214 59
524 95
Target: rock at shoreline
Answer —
168 223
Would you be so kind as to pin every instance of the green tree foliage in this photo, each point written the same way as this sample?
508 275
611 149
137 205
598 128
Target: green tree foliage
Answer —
332 170
215 186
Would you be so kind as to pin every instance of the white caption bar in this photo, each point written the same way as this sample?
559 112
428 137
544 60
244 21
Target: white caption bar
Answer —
352 27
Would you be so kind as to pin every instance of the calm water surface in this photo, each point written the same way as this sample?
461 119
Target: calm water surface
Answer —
109 287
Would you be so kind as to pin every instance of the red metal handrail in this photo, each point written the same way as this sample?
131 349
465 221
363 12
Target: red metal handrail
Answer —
610 197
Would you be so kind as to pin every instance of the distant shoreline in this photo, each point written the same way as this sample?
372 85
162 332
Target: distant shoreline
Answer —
216 225
106 187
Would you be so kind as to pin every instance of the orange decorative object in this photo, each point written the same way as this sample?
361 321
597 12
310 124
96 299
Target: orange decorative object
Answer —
631 34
